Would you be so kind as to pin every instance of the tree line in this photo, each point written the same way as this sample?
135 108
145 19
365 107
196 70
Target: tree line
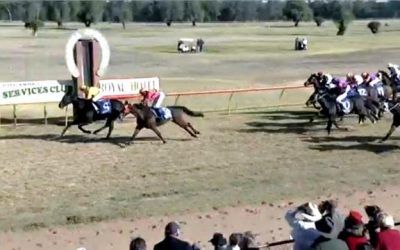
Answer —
169 11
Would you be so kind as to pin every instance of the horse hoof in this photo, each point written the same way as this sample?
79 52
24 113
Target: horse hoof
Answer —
164 142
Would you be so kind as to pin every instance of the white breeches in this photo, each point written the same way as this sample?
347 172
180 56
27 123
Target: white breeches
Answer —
157 102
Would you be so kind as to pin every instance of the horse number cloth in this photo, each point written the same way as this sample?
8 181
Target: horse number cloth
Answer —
104 107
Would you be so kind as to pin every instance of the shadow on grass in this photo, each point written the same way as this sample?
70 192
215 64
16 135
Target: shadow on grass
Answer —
359 139
288 122
374 148
120 141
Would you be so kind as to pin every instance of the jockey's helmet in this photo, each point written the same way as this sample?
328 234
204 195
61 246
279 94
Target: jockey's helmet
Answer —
366 76
320 73
142 91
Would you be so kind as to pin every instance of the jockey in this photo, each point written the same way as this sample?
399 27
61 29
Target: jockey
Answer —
394 72
345 87
92 94
153 99
325 79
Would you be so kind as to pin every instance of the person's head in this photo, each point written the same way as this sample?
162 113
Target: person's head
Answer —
234 239
308 212
137 244
320 73
366 76
385 221
350 77
218 240
372 211
172 229
354 224
143 92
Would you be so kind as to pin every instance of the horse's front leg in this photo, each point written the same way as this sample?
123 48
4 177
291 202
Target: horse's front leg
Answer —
80 126
107 124
135 133
389 133
67 127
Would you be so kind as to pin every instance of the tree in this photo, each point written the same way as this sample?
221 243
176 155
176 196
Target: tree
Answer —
247 10
374 26
320 11
341 15
31 16
297 10
227 11
193 11
90 12
7 9
271 10
58 11
172 11
211 10
74 8
118 11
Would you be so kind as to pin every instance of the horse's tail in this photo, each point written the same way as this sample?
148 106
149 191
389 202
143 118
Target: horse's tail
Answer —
188 111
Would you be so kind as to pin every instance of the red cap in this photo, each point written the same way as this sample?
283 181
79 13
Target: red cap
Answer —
356 217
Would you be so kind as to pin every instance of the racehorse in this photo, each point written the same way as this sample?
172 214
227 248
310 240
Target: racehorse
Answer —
331 110
313 79
389 85
85 113
146 118
373 101
394 108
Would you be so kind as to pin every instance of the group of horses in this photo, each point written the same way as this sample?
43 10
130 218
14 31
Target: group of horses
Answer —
367 103
85 114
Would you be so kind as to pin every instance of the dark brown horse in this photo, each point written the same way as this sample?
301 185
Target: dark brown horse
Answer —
145 118
389 85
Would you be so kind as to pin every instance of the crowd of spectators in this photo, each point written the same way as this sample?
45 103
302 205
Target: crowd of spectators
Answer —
313 227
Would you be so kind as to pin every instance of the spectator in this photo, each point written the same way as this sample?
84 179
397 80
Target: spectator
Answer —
388 238
218 241
138 244
329 227
171 240
234 240
373 224
354 231
302 220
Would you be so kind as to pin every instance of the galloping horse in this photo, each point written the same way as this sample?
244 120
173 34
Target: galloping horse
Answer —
313 79
85 113
330 109
389 86
146 118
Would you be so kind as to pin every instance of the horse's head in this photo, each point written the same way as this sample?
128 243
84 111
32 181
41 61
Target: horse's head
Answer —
312 80
68 98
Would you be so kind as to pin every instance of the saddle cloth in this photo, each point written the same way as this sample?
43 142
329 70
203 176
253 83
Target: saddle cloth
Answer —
103 107
162 113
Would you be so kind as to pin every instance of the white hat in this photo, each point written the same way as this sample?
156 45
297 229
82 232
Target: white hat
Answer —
391 65
81 248
314 214
385 220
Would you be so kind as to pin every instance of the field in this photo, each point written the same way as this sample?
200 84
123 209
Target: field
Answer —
249 157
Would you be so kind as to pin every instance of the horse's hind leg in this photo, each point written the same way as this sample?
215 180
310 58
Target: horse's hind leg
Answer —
155 129
185 126
193 129
107 124
84 130
110 129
